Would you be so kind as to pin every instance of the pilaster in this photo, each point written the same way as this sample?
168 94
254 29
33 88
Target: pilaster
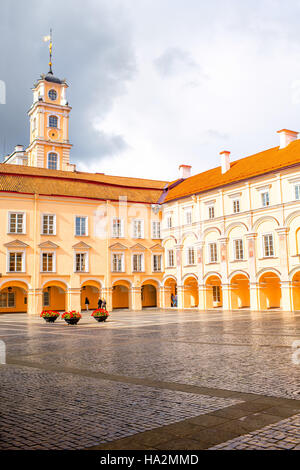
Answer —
136 298
73 299
34 301
107 296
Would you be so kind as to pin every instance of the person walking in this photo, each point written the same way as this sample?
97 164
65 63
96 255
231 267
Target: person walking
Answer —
104 304
87 303
99 302
172 300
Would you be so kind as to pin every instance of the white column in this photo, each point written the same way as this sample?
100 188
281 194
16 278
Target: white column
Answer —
226 294
224 272
254 287
286 294
180 291
254 296
200 273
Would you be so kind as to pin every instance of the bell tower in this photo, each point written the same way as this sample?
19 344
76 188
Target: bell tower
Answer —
49 123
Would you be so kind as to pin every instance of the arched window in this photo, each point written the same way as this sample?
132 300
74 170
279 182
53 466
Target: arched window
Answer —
52 121
52 161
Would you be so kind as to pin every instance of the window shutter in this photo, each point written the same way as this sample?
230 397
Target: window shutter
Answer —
54 224
142 229
24 223
133 229
143 262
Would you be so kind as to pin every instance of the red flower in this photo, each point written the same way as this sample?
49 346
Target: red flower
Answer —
100 312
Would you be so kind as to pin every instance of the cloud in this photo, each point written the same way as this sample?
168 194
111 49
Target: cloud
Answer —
213 136
173 61
156 84
92 49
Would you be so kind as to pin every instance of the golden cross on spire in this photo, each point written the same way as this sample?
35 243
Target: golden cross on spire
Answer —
46 39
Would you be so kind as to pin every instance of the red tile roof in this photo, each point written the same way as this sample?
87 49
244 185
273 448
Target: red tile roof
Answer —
243 169
31 180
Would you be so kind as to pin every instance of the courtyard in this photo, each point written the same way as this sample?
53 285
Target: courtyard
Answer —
183 380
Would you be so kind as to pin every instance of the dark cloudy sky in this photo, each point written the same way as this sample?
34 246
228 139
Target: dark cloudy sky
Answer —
156 83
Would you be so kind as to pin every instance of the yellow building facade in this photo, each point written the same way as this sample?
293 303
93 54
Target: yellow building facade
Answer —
226 238
68 236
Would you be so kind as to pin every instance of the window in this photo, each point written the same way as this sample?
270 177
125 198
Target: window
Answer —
52 161
46 298
211 212
268 245
117 228
138 263
7 300
212 252
52 95
16 222
53 121
169 221
80 226
236 206
48 224
265 199
297 191
216 294
188 216
190 256
80 262
15 262
138 228
238 249
156 229
157 265
117 262
170 258
47 262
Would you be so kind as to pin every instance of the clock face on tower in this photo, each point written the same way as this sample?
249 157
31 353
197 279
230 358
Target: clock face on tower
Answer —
53 134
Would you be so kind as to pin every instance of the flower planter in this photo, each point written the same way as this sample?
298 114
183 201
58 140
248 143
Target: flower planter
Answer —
102 318
50 319
72 317
72 321
49 315
100 314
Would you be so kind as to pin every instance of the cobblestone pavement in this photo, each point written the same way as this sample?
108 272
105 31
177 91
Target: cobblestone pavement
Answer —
149 379
284 435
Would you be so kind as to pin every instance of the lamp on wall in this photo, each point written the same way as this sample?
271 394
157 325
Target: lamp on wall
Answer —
9 289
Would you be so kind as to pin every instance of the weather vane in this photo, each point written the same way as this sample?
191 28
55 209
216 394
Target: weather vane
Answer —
49 39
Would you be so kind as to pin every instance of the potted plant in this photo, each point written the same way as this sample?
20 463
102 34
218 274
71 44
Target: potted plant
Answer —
100 314
72 317
49 315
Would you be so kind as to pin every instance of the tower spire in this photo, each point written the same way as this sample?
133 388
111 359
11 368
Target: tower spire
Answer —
50 52
49 39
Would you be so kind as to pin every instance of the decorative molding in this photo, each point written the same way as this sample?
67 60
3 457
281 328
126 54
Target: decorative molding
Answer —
81 246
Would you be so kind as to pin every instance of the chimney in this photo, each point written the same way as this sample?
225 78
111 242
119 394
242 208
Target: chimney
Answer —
185 171
19 148
286 137
225 161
